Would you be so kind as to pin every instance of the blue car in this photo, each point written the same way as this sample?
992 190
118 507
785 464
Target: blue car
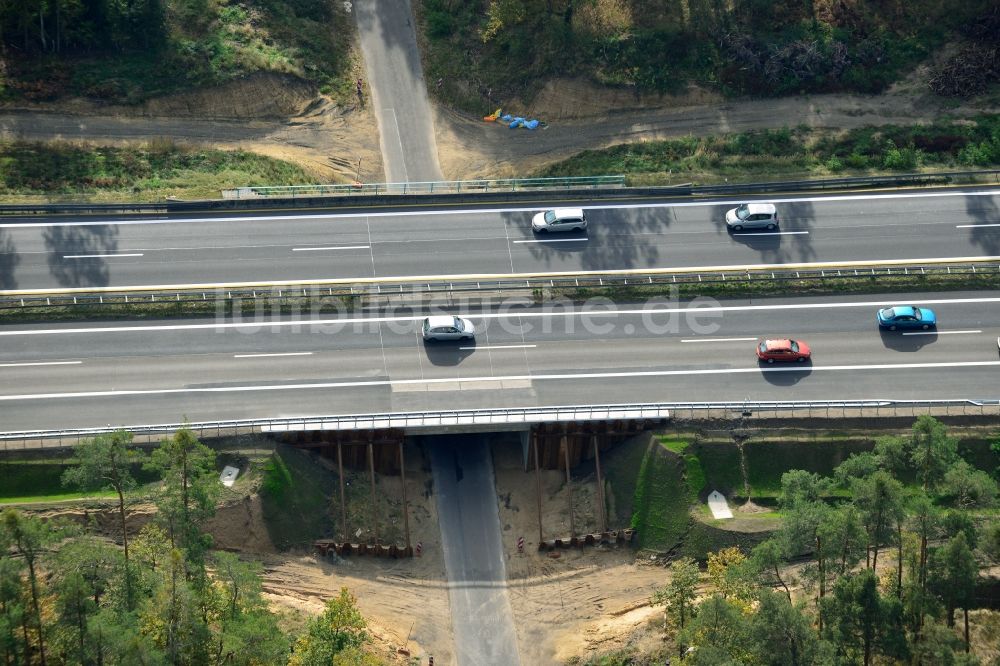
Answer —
906 316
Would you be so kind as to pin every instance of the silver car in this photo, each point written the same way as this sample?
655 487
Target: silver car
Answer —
448 328
559 219
752 216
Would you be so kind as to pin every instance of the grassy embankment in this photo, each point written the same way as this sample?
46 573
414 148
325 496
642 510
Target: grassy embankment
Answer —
757 156
149 172
129 53
35 476
487 53
658 487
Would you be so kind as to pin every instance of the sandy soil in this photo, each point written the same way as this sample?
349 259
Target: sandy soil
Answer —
285 119
276 116
583 601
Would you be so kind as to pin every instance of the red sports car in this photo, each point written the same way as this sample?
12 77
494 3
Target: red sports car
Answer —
783 350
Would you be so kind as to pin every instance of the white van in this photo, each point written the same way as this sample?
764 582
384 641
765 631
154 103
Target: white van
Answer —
752 216
559 219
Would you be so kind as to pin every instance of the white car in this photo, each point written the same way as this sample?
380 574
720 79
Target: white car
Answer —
559 219
752 216
448 328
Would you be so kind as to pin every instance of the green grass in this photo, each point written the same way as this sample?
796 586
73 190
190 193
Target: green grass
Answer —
137 173
58 497
772 154
40 480
694 475
661 505
296 498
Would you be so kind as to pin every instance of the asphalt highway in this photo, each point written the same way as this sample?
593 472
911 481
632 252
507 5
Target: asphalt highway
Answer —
53 253
126 373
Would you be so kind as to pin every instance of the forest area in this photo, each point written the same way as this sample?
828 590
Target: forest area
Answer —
880 563
126 51
69 596
487 52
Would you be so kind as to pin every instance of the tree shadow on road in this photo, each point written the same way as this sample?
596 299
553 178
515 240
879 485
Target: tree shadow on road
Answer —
89 271
616 239
984 210
8 261
778 249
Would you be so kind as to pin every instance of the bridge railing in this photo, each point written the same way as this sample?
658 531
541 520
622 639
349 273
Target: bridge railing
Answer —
506 417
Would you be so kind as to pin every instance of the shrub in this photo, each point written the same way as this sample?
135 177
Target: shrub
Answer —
900 158
858 161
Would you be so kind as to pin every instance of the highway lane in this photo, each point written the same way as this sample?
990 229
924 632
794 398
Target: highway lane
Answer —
39 254
154 372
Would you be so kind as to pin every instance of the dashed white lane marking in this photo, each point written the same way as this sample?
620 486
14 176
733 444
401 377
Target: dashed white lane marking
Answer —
500 381
552 240
339 247
32 364
940 332
716 339
770 233
274 354
501 347
101 256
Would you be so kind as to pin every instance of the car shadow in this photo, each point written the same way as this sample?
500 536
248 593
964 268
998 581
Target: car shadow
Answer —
604 247
897 341
788 374
759 240
448 352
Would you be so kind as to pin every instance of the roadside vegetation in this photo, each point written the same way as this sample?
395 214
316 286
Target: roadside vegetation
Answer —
796 153
160 596
128 52
490 52
888 553
30 171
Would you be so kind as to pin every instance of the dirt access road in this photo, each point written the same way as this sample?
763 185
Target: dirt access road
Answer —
330 139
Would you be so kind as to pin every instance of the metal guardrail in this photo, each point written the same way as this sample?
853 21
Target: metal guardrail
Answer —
853 181
383 289
513 416
352 195
426 187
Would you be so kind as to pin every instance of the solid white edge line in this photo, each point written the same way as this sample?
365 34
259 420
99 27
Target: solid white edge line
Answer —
452 380
551 240
769 233
493 315
501 347
717 339
272 354
32 364
939 332
340 247
975 226
100 256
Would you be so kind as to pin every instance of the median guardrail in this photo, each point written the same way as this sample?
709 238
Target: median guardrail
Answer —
422 286
505 418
